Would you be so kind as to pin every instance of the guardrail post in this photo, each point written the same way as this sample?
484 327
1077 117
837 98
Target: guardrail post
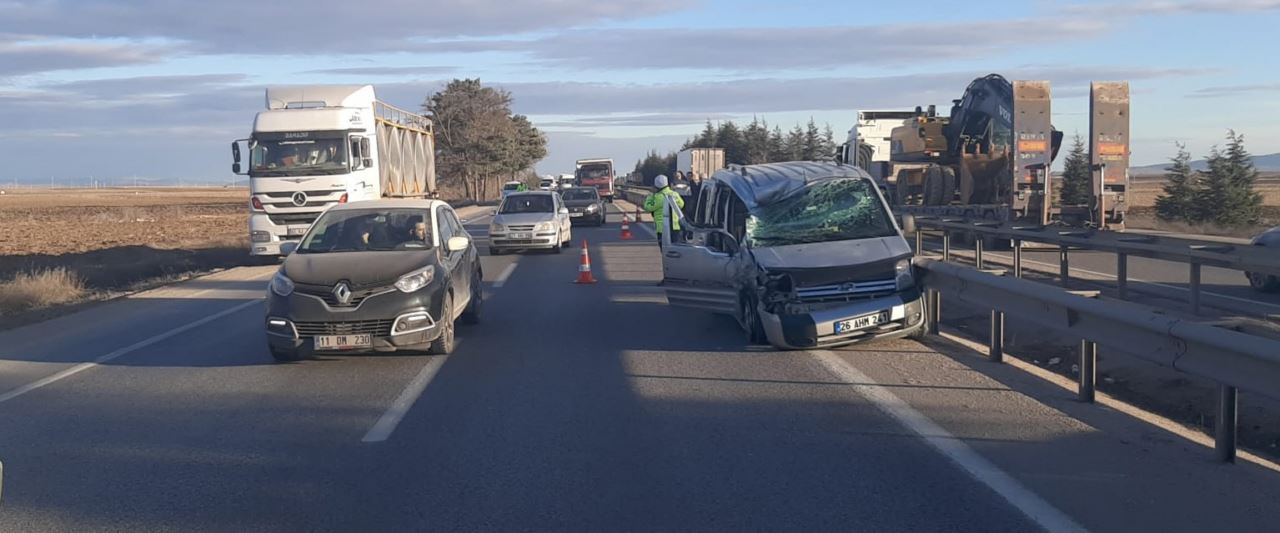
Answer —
1017 258
1224 445
1064 270
946 245
1088 370
1122 275
977 252
933 309
996 354
1195 288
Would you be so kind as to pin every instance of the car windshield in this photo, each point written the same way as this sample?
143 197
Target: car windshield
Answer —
834 210
594 171
364 230
297 156
581 194
527 203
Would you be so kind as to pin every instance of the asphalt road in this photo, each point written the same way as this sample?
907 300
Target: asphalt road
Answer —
585 408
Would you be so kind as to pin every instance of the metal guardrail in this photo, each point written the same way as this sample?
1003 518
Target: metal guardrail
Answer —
1195 254
1235 360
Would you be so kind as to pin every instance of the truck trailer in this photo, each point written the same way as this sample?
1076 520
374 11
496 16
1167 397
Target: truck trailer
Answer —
314 147
700 161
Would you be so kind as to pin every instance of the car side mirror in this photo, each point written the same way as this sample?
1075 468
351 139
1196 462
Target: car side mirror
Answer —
235 168
908 224
457 244
288 247
563 211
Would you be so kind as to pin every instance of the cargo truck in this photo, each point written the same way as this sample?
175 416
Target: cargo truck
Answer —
700 161
596 173
991 157
314 147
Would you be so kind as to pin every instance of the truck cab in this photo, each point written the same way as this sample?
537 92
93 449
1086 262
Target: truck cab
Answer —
596 173
315 147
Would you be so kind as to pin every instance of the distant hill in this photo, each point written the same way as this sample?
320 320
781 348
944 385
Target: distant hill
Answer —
1265 163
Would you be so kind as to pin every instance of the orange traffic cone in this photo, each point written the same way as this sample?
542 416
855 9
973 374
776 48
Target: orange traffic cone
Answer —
626 228
584 267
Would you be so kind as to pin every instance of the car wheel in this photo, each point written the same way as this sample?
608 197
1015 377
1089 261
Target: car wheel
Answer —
443 345
1263 282
286 356
472 315
751 321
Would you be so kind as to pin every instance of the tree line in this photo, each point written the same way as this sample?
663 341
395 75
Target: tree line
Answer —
753 144
480 142
1223 194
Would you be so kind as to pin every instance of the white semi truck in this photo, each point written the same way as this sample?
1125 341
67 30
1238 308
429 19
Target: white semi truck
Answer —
318 146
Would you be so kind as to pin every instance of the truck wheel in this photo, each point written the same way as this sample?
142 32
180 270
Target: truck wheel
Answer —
948 186
933 185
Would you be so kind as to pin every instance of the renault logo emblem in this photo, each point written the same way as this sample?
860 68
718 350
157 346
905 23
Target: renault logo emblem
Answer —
299 198
342 293
848 287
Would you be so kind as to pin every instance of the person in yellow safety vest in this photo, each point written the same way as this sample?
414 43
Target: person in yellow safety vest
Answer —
656 204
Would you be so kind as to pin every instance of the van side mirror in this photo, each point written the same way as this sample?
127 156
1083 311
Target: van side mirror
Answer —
235 168
908 223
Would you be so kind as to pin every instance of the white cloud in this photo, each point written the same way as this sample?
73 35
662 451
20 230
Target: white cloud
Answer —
20 56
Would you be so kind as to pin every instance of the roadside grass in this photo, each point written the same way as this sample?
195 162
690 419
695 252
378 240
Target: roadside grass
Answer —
39 289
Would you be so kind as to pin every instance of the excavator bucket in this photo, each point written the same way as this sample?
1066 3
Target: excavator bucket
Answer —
1033 151
1109 151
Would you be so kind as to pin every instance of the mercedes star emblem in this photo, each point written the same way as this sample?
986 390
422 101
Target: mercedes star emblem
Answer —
299 198
342 292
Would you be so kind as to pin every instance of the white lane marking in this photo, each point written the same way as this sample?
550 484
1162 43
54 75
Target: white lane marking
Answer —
502 277
122 351
1031 505
383 428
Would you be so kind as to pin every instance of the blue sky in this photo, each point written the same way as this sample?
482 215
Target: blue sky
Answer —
113 89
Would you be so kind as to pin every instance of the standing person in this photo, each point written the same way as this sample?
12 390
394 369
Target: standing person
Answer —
695 194
656 205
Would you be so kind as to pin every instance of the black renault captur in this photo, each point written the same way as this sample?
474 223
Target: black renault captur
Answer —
375 276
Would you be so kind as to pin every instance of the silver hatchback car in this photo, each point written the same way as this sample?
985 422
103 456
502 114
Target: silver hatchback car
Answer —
530 220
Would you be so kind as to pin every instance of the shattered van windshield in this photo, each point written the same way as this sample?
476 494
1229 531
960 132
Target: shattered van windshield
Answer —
836 210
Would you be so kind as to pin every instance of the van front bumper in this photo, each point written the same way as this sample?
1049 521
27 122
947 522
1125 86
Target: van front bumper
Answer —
817 329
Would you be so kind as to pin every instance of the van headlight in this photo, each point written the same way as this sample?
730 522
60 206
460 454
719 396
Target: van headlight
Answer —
545 226
416 280
496 228
281 284
903 274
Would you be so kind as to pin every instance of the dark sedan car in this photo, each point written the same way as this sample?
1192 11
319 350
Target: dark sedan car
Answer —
1259 281
375 276
585 205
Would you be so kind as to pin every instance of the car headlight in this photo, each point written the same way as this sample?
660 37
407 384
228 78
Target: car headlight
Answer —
496 228
545 226
281 284
416 280
903 274
593 208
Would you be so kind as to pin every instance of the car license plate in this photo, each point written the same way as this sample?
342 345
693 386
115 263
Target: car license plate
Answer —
862 322
295 232
521 235
575 215
343 342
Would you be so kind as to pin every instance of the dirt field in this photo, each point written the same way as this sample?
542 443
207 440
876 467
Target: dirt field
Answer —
114 240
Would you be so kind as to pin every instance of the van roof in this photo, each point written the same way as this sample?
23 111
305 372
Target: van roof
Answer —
760 185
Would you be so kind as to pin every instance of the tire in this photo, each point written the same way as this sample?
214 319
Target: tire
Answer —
948 186
933 185
471 316
1263 282
286 356
443 345
751 321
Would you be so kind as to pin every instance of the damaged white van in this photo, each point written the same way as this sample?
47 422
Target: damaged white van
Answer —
804 255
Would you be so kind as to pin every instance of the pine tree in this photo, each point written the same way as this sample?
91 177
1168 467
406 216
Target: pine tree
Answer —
812 147
1177 202
1233 178
757 139
731 139
777 146
708 138
1076 175
793 146
828 143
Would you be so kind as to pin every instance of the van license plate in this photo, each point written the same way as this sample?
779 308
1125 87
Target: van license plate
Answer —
343 342
862 322
296 232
